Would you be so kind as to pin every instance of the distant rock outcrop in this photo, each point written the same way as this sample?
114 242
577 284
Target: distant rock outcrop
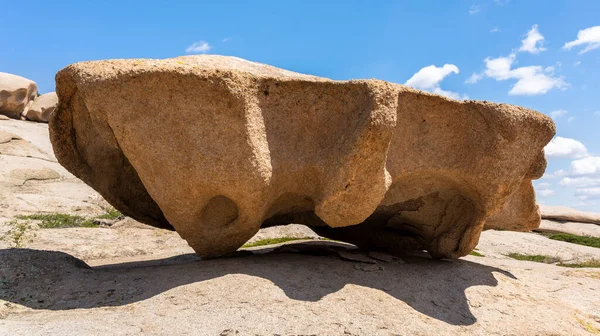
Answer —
217 147
42 107
563 213
16 94
19 99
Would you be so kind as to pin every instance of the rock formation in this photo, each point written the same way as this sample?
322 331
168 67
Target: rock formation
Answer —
563 213
42 107
216 147
19 100
16 93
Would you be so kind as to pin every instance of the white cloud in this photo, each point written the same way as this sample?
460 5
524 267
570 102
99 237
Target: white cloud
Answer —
531 80
570 120
429 78
227 39
534 80
580 182
198 47
561 147
475 78
558 173
545 192
577 63
474 9
588 193
530 42
586 166
543 185
589 37
558 113
450 94
495 30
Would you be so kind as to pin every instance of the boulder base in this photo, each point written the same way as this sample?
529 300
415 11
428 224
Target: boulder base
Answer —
216 147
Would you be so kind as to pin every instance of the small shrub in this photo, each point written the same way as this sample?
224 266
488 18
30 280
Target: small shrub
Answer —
272 241
535 257
575 239
58 220
111 213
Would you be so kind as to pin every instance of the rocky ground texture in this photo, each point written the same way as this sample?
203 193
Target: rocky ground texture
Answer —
120 277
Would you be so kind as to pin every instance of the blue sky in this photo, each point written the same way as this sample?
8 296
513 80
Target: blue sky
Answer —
537 54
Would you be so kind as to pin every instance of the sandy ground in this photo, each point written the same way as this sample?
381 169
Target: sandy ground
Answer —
129 279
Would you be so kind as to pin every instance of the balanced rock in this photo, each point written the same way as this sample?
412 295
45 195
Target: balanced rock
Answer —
16 94
217 147
42 107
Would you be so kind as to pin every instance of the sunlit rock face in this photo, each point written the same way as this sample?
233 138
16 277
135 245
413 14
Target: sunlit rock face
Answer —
216 147
16 94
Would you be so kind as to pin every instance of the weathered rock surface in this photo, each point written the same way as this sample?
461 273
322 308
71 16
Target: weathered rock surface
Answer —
16 93
217 147
42 107
563 213
580 229
32 181
519 213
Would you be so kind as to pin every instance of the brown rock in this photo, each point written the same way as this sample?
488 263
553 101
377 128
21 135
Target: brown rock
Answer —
42 107
520 213
245 144
15 94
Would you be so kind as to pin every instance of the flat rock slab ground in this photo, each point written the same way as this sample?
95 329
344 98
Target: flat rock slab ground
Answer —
158 286
130 279
32 181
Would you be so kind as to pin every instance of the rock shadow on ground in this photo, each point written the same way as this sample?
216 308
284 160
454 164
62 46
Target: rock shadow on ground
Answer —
58 281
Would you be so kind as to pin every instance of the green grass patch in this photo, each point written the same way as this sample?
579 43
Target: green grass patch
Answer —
535 258
272 241
111 213
592 263
575 239
58 220
476 254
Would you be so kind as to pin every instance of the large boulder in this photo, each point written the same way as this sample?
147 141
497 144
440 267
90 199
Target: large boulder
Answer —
42 107
217 147
16 94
